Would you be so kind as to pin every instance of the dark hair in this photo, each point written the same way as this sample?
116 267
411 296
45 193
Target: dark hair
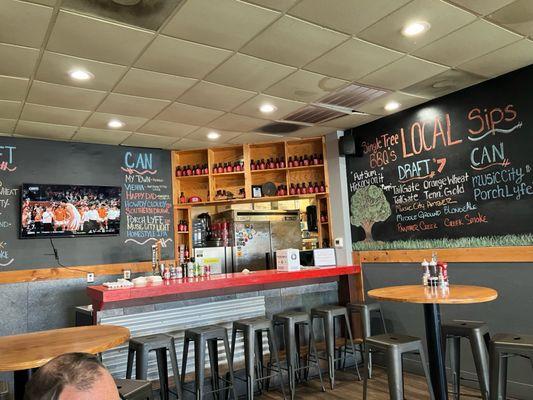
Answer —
80 370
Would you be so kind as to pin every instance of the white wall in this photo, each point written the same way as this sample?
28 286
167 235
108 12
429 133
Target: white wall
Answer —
338 194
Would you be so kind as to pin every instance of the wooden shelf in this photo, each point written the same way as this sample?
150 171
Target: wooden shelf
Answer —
182 232
193 177
252 200
228 173
254 171
305 167
324 223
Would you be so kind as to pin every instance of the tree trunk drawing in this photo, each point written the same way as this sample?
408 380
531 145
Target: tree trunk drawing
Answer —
367 226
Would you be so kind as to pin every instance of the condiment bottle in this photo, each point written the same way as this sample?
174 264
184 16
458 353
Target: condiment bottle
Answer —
290 163
282 162
182 198
310 188
292 190
252 165
322 188
179 171
305 161
304 189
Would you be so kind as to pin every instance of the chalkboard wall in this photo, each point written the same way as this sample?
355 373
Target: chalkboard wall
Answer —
456 171
146 207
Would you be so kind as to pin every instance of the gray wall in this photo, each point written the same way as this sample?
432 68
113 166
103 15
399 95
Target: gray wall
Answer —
510 313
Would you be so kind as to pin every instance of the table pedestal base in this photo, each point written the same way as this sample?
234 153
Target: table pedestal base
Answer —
437 366
19 382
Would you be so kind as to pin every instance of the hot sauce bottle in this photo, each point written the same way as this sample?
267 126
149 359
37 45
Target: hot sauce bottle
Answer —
310 188
282 162
292 190
290 163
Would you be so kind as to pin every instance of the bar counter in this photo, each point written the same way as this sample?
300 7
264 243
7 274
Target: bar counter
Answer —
178 289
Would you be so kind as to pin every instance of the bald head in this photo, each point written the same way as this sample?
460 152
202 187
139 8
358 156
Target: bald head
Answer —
74 376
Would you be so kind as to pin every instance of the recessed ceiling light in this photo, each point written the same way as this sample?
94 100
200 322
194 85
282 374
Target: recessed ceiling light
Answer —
213 135
115 123
80 75
267 108
392 105
415 28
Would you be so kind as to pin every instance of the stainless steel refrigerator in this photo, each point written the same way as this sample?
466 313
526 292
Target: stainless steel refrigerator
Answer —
255 236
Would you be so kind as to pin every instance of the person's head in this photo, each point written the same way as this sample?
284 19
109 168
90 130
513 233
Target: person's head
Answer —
73 376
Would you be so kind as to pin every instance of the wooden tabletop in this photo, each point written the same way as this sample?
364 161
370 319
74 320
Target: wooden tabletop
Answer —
454 294
32 350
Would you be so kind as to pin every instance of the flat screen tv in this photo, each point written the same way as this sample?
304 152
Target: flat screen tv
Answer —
69 210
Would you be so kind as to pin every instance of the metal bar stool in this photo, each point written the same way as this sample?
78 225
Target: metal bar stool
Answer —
201 337
365 310
502 347
394 347
252 330
134 390
159 343
328 314
477 334
291 322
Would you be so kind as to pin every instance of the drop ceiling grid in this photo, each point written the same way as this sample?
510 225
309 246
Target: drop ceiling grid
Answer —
154 35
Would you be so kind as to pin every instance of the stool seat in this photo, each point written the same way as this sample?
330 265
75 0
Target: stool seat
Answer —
513 342
258 323
336 311
134 390
4 392
406 343
150 342
293 316
206 332
464 328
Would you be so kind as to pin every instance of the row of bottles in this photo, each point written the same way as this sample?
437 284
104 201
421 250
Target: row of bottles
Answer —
305 161
222 168
183 226
309 189
190 268
187 170
270 163
323 216
226 195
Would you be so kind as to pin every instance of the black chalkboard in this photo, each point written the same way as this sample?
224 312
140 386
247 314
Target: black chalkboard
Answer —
146 206
453 172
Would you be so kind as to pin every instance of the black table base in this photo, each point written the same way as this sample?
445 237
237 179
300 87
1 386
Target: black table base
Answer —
19 382
437 366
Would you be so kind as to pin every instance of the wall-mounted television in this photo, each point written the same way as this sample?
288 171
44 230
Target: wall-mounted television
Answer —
69 210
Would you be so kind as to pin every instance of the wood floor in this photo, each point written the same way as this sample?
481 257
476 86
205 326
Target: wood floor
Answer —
348 387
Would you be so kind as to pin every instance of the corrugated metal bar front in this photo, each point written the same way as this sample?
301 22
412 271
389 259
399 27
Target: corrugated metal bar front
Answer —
177 320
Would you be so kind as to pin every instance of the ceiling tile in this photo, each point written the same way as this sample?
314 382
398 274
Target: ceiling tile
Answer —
101 136
283 107
23 23
134 106
45 131
142 140
249 73
401 73
187 144
223 23
305 86
13 88
44 2
472 41
179 57
353 59
17 60
64 96
351 121
55 68
443 18
312 131
218 97
442 84
505 59
10 109
100 120
345 15
139 82
97 39
7 125
517 16
234 122
187 114
377 107
53 115
281 5
293 42
166 128
253 137
482 7
201 134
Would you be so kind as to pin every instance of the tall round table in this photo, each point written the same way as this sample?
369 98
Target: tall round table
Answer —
23 353
431 298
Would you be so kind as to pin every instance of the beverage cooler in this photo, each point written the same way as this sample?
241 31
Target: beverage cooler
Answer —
252 237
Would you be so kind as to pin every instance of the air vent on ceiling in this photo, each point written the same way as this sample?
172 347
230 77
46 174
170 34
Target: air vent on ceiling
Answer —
148 14
351 97
280 128
313 115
